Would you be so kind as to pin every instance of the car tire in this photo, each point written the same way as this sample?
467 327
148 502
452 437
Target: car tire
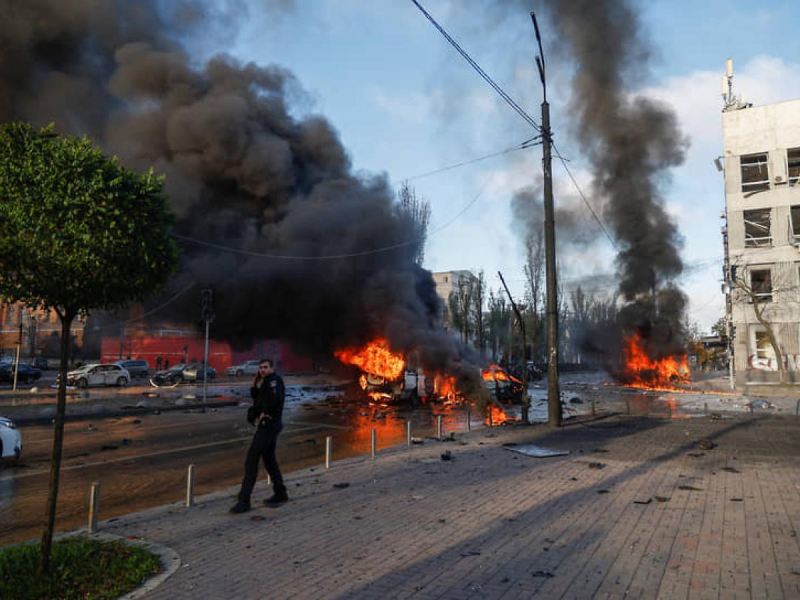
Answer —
239 373
122 382
82 383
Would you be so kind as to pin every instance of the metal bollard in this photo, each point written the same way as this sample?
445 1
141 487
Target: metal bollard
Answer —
797 409
94 500
328 451
469 422
408 433
491 421
627 406
594 412
705 408
374 443
439 427
190 487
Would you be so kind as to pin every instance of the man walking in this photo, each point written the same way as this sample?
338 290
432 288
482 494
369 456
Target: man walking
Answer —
268 394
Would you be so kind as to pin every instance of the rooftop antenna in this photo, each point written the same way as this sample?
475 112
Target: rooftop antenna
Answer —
730 100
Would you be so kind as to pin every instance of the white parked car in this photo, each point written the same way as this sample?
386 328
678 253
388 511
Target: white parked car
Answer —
10 439
248 367
98 374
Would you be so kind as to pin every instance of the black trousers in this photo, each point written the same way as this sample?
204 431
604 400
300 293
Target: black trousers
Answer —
262 447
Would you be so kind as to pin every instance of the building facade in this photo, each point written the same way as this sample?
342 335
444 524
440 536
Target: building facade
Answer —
761 147
39 330
448 283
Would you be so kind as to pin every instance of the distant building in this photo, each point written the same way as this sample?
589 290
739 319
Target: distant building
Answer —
448 283
41 330
762 235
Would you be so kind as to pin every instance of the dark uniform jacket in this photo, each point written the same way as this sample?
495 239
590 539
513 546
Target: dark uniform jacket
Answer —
267 398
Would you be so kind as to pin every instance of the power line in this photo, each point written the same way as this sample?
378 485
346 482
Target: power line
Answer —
518 110
510 101
523 146
414 240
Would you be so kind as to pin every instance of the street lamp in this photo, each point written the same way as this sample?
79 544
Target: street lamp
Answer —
553 391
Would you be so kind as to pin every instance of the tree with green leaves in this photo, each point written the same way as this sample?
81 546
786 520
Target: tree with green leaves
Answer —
78 232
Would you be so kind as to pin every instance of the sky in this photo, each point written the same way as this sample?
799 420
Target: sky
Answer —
406 104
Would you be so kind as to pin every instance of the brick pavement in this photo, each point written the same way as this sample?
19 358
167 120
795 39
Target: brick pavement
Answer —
659 518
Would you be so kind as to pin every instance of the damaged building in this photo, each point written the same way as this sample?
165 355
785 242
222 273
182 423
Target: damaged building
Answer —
762 238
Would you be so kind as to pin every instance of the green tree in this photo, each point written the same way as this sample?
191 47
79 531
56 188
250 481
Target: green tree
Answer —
78 232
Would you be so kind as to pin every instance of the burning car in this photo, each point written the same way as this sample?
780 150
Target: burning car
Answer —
500 385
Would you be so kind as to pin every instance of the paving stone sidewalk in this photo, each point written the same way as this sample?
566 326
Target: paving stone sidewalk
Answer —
640 508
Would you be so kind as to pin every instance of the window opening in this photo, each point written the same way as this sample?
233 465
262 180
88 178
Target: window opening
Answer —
761 284
794 221
755 172
756 228
763 348
793 158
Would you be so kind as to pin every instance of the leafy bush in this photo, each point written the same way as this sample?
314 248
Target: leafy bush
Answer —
79 568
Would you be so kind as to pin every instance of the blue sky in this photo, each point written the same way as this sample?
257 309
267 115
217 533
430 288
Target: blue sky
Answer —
405 103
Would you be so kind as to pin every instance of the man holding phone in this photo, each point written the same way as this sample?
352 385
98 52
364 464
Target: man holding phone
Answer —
268 393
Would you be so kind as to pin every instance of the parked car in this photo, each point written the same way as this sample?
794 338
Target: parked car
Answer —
39 362
182 373
137 368
10 439
248 367
502 386
26 374
98 375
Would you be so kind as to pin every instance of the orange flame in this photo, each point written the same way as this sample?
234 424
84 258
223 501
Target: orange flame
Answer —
375 358
642 371
496 415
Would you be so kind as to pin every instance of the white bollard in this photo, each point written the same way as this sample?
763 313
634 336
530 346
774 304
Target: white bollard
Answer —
408 433
328 451
190 486
94 500
374 443
439 427
469 422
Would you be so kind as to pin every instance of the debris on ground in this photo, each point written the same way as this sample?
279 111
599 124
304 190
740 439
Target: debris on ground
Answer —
706 445
341 486
648 501
546 574
689 488
661 498
536 451
730 469
447 455
597 465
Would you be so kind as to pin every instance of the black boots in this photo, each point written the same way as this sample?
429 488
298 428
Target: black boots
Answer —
240 507
278 498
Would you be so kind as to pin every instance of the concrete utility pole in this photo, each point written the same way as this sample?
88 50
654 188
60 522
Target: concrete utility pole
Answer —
553 391
526 402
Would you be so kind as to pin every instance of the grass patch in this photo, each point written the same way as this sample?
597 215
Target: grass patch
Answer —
79 568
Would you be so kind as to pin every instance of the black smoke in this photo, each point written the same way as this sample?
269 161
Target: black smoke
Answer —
324 259
631 142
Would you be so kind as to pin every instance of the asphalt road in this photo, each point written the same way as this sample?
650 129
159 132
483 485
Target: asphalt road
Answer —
141 461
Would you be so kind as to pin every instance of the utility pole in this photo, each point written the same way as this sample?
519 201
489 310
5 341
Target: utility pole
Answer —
208 317
526 403
553 391
19 347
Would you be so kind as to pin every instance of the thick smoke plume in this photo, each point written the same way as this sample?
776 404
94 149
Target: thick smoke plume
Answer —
631 142
326 257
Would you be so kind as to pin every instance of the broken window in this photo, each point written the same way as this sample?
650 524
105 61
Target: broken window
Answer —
793 156
756 228
761 284
755 172
764 348
794 222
